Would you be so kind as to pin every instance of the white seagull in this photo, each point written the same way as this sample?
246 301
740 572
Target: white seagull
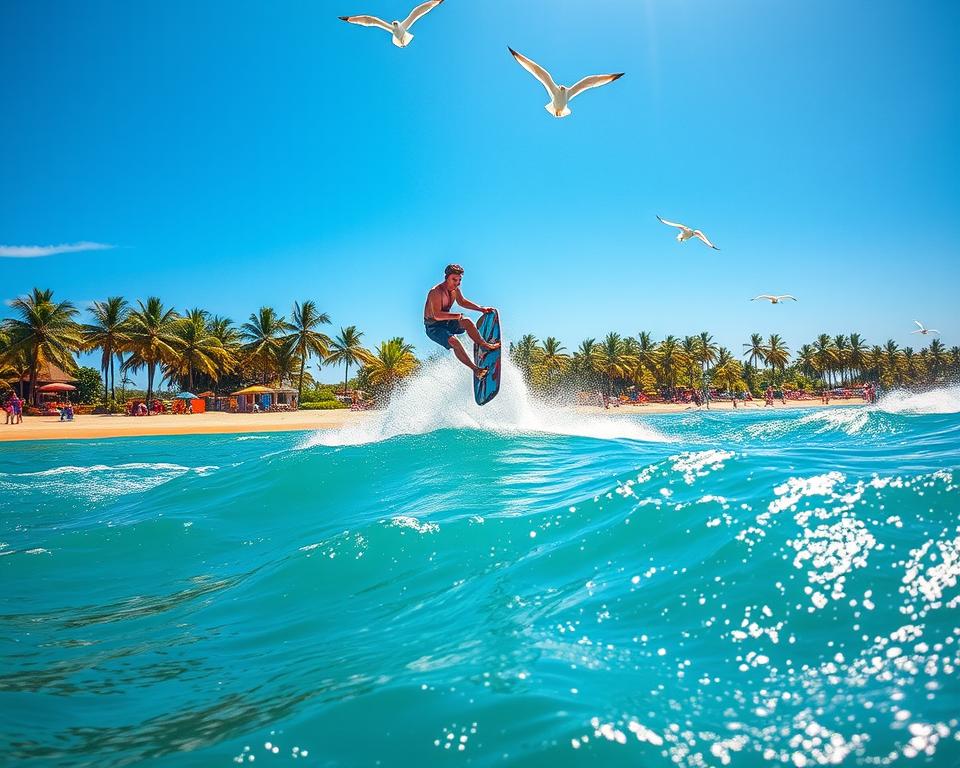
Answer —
560 95
399 29
774 299
923 330
686 233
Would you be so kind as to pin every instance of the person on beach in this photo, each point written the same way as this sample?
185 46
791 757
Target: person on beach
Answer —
443 326
8 409
17 404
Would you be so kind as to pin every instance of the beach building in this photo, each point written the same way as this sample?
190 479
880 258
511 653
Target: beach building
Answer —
47 373
260 398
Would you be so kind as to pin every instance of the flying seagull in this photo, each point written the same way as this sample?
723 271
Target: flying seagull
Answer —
686 233
560 95
923 330
399 29
774 299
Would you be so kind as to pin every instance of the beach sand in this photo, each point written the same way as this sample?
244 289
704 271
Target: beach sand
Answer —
90 427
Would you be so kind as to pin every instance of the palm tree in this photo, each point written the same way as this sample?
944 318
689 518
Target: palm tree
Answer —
554 360
152 339
393 362
613 361
728 372
955 359
778 354
524 353
348 350
807 361
857 354
937 358
824 355
198 349
841 350
264 333
306 339
755 350
892 360
690 352
647 358
106 333
671 361
44 332
585 362
707 353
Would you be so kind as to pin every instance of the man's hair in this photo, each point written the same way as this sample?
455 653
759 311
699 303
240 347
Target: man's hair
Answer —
453 269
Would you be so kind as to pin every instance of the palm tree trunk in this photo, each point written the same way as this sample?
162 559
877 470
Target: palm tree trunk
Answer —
150 372
33 374
346 376
303 364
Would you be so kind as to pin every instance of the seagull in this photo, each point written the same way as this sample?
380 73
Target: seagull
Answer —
923 330
399 29
560 95
774 299
686 233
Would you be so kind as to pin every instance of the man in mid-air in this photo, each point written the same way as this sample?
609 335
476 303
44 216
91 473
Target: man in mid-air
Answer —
443 326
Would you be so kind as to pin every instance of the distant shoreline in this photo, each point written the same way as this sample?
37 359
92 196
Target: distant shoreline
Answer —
98 427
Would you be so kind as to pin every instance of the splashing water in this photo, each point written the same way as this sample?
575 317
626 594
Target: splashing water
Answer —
943 400
440 396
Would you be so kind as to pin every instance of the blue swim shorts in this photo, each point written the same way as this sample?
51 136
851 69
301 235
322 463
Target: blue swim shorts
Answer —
440 331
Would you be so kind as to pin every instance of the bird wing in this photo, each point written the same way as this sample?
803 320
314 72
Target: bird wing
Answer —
592 81
419 11
918 324
932 330
698 234
537 71
368 21
788 296
672 224
766 296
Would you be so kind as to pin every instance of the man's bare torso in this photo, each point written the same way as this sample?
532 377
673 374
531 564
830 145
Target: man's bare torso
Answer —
445 297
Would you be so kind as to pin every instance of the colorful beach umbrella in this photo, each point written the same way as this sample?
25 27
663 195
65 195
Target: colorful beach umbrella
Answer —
56 387
186 396
254 390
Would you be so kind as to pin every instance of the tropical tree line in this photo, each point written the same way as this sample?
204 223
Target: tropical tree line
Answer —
192 349
691 362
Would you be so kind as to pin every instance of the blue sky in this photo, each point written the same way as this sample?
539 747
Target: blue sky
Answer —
241 153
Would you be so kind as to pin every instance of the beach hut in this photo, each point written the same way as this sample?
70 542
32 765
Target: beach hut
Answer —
248 397
47 373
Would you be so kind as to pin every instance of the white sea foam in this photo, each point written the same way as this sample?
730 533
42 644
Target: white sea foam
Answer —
942 400
439 396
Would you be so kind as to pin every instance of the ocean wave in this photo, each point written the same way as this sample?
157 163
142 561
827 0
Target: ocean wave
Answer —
943 400
439 397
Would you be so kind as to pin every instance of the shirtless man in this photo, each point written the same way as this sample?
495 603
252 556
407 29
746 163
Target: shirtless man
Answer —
443 326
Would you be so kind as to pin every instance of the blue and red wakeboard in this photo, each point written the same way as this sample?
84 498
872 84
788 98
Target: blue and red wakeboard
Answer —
485 389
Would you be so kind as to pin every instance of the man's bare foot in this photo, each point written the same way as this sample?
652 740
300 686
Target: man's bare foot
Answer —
490 345
480 372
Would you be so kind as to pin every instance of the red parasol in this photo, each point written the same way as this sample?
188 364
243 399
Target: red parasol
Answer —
55 387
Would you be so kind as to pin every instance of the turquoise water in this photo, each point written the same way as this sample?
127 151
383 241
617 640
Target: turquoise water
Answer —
513 586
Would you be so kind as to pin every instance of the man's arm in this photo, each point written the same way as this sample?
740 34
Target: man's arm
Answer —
464 302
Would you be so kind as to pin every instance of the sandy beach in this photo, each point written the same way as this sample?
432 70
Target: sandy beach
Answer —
90 427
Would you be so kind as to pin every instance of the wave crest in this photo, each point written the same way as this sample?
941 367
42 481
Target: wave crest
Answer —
439 396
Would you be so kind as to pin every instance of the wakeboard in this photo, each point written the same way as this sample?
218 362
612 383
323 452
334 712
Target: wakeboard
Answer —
485 389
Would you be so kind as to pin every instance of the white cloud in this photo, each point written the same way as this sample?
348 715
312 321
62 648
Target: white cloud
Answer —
36 251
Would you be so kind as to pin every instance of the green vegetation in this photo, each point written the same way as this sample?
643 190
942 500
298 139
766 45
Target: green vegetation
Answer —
323 405
619 362
194 350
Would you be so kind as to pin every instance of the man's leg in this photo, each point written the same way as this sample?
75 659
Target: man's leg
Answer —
463 357
471 328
